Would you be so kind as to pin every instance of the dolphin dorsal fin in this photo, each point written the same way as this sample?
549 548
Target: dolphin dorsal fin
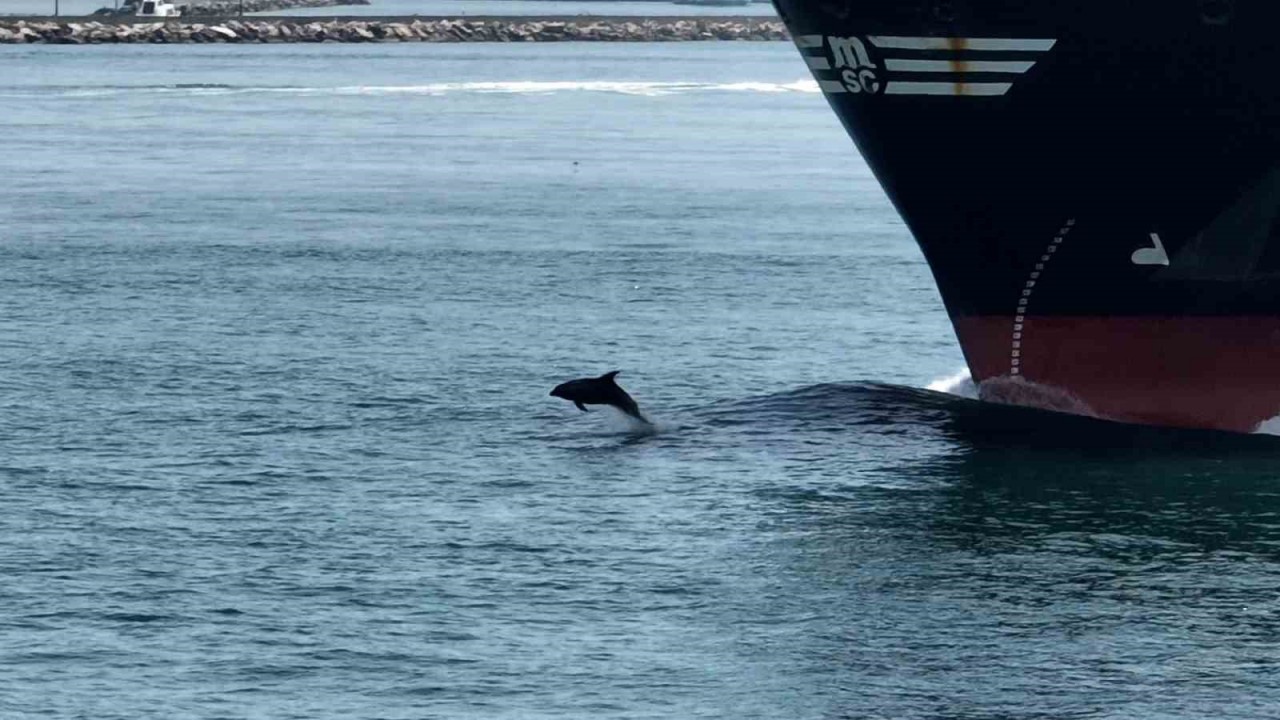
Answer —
610 375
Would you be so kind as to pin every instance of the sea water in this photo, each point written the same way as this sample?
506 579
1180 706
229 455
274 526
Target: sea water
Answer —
277 329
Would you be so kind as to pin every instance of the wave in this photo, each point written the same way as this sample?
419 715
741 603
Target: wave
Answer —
509 87
1268 427
1021 393
961 385
870 408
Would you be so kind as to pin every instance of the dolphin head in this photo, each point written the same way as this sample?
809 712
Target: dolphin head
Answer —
564 390
582 390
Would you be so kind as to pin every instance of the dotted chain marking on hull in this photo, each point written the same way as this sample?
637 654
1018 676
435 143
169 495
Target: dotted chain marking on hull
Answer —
1020 317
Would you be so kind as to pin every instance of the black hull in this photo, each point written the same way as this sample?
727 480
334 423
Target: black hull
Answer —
1094 185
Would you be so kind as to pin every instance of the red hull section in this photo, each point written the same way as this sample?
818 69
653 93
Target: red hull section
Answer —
1203 372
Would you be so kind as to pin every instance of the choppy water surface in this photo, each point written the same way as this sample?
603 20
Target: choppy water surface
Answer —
277 329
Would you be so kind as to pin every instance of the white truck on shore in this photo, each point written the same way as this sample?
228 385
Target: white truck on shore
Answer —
155 8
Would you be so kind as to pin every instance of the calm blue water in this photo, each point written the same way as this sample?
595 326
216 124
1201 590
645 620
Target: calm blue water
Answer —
276 336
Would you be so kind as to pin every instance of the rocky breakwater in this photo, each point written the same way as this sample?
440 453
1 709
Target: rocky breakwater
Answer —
418 30
226 8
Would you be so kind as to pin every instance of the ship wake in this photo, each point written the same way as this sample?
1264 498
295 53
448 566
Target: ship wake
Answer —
1019 391
507 87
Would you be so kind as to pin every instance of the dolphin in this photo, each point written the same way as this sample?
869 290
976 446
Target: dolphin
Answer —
603 390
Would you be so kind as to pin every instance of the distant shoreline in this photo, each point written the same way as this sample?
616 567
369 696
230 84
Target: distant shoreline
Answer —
302 19
361 29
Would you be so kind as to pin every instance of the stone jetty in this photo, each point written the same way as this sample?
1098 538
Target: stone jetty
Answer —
294 30
228 8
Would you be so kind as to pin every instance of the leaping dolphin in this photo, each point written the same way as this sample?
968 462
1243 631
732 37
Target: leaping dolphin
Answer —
603 390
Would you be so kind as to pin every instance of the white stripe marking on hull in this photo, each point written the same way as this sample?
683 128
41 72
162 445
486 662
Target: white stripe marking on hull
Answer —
959 66
809 41
831 86
817 63
959 44
962 89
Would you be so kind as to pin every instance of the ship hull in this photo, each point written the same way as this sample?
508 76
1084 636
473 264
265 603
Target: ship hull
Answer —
1094 185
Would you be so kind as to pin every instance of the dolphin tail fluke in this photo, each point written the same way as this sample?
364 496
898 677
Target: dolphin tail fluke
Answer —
630 408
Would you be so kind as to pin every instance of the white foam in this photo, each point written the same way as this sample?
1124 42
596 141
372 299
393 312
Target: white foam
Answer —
513 87
625 424
1268 427
551 87
960 384
1017 390
508 87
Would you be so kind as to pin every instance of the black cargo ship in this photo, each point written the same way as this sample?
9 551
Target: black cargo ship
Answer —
1094 185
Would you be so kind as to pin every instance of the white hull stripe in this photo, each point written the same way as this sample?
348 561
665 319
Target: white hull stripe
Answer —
960 67
950 89
959 44
960 89
1012 67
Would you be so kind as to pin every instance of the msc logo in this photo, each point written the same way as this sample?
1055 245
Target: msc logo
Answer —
840 64
947 66
857 71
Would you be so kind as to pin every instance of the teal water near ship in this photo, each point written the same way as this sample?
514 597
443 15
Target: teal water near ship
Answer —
276 336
